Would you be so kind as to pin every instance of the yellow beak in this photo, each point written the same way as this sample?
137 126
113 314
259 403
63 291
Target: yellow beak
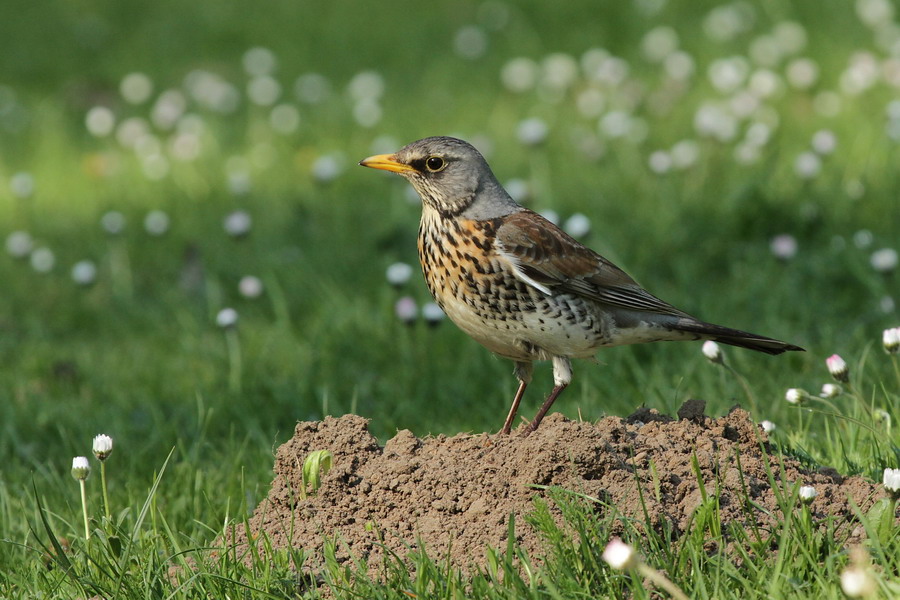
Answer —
386 162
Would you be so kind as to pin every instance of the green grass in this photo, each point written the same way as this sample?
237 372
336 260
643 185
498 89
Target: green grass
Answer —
140 357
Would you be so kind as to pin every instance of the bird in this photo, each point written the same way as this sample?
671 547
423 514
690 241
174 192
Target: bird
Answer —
522 287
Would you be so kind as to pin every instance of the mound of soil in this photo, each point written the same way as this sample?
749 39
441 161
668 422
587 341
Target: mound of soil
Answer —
455 494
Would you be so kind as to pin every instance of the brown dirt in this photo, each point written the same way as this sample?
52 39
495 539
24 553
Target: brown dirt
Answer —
462 489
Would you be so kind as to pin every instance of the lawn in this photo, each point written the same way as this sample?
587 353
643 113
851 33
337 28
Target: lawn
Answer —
738 159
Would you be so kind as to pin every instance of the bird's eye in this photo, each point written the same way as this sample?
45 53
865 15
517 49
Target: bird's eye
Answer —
435 163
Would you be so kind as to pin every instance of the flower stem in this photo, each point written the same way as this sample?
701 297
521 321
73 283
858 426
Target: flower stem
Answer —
234 360
661 581
896 360
103 485
745 385
87 529
121 269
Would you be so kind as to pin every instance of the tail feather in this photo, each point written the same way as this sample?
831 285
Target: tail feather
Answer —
736 337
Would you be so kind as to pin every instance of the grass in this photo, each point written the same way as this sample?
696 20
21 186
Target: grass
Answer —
137 354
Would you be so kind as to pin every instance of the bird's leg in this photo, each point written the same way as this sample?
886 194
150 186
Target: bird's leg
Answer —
562 375
523 374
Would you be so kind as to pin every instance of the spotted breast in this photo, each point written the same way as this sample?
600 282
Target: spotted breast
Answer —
474 282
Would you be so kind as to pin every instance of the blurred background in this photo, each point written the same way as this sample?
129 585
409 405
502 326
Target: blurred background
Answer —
163 161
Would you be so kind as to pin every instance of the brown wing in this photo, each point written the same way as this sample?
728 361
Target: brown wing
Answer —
546 255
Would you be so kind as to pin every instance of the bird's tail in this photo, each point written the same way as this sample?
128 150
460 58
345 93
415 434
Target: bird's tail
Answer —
735 337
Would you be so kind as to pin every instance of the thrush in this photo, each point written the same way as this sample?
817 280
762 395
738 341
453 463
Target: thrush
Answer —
522 287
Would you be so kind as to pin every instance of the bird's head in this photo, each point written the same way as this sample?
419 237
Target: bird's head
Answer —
450 175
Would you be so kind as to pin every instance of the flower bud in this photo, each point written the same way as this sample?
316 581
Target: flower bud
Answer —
892 482
831 390
619 555
891 339
712 352
807 494
838 368
796 396
103 446
81 468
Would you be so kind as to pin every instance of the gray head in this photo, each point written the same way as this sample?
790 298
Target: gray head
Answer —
451 177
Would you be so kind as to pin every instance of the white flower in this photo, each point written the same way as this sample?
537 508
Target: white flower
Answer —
367 112
658 43
616 123
892 481
42 260
802 73
398 273
312 88
768 426
837 366
884 260
765 83
519 75
590 102
250 286
284 119
791 36
861 74
796 396
578 225
551 215
712 351
830 390
532 132
227 318
863 238
237 223
685 153
857 583
432 313
679 65
259 61
366 84
263 90
136 88
807 494
619 555
113 222
327 167
518 189
715 121
81 468
727 21
406 310
875 13
22 185
19 244
783 246
103 445
891 339
660 162
168 109
84 272
470 42
156 222
100 121
824 142
728 74
807 165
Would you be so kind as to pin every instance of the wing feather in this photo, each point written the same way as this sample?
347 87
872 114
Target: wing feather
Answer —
547 258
